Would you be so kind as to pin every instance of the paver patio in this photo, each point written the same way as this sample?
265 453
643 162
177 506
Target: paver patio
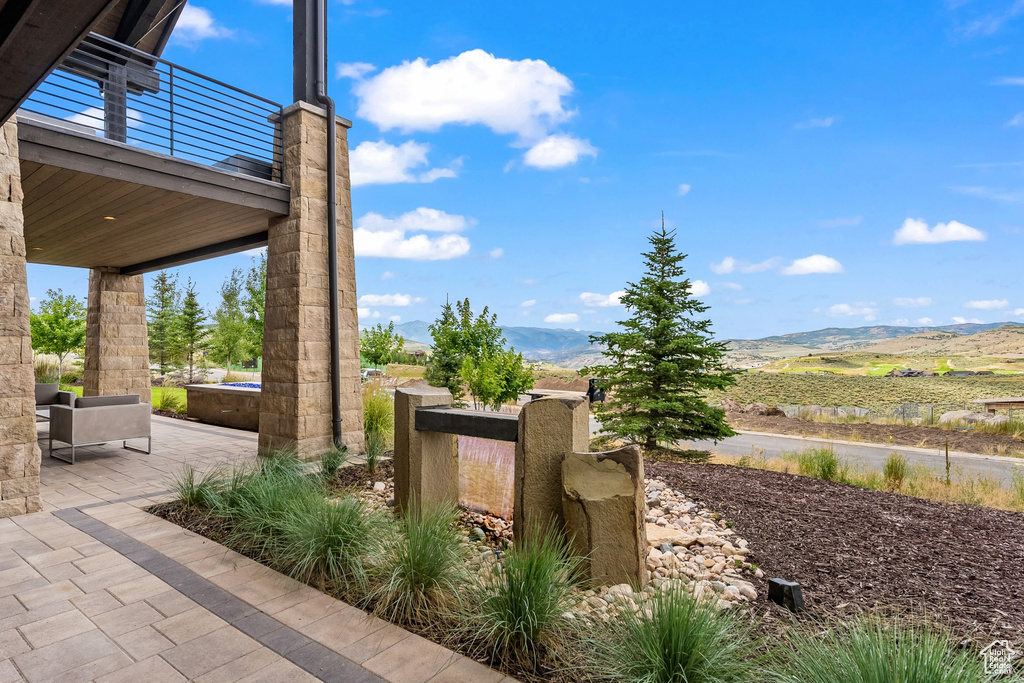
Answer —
96 589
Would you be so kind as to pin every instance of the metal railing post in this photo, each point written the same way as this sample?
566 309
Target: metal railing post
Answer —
170 105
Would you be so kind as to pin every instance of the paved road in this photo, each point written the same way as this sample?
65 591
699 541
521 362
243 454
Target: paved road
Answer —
867 455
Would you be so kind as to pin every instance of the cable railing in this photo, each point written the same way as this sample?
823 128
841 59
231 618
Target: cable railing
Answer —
111 90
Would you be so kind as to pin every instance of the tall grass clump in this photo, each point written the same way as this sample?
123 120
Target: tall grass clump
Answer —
677 638
822 463
45 366
326 542
331 460
874 651
423 568
172 401
895 470
378 422
519 610
195 490
1017 489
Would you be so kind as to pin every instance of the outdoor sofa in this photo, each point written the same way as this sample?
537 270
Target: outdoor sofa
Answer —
95 420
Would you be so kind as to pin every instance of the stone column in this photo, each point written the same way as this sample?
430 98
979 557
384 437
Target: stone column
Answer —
549 429
426 463
295 405
604 505
116 339
19 450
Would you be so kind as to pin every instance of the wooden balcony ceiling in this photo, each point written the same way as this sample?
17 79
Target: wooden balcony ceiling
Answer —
90 202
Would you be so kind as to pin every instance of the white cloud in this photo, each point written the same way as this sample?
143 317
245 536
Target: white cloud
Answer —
388 300
601 300
523 97
422 218
743 302
825 122
94 117
987 304
684 189
377 236
367 313
197 23
1009 80
395 318
699 288
841 222
901 321
1017 120
818 263
354 70
528 303
961 321
387 275
913 302
989 192
733 286
1018 311
556 151
497 252
383 163
562 318
725 266
867 310
925 321
917 232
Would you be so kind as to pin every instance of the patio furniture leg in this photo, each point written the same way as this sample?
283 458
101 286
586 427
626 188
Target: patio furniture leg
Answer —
149 446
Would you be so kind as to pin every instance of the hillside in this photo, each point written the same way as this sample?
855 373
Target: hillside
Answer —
566 348
757 352
1002 341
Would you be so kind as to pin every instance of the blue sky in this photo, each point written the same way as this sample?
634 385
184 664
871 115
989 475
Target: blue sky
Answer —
824 164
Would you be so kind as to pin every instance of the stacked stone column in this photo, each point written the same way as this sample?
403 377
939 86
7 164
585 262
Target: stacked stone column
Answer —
116 340
295 405
19 450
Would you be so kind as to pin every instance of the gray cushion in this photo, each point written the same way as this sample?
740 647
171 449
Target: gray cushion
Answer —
46 394
94 401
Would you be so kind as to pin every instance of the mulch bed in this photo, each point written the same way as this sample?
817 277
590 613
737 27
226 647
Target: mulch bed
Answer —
171 413
901 435
358 476
854 549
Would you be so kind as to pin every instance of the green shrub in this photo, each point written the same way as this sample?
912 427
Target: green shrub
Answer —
173 401
378 415
874 651
676 638
197 491
331 460
325 542
520 609
895 470
424 566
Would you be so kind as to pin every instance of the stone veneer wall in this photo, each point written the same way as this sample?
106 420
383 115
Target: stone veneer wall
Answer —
295 406
116 338
19 450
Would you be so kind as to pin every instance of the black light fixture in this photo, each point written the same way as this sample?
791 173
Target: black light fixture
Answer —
789 594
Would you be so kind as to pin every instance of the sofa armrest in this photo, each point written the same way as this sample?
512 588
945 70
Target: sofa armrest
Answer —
61 423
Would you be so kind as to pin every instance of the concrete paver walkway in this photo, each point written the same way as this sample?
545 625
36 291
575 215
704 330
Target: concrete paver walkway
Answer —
96 589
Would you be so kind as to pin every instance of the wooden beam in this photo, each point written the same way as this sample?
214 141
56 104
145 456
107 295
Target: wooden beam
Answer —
211 251
497 426
44 144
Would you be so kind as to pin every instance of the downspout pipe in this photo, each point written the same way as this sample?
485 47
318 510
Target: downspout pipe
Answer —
332 219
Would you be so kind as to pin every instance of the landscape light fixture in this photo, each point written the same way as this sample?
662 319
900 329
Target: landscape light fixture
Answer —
786 593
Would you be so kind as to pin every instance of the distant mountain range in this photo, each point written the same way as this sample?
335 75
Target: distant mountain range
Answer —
572 348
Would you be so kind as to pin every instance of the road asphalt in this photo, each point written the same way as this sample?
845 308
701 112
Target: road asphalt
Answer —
867 455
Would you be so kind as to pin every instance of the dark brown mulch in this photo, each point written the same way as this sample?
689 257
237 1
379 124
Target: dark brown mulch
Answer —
855 549
171 413
968 441
358 476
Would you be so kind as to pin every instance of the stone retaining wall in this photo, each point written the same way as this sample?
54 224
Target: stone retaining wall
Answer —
235 407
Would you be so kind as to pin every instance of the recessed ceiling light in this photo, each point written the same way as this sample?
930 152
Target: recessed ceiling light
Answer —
37 248
109 218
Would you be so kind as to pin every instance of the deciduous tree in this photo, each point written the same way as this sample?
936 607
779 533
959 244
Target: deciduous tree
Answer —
230 338
58 327
381 344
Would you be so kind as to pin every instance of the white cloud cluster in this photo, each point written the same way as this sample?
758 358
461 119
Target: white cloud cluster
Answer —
987 304
556 151
561 318
380 237
383 163
729 265
388 300
917 232
684 189
497 252
913 302
699 288
867 310
524 98
809 265
601 300
528 303
961 321
197 23
925 321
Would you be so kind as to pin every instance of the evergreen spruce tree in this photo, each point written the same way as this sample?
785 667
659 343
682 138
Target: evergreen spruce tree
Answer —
162 307
190 332
664 361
